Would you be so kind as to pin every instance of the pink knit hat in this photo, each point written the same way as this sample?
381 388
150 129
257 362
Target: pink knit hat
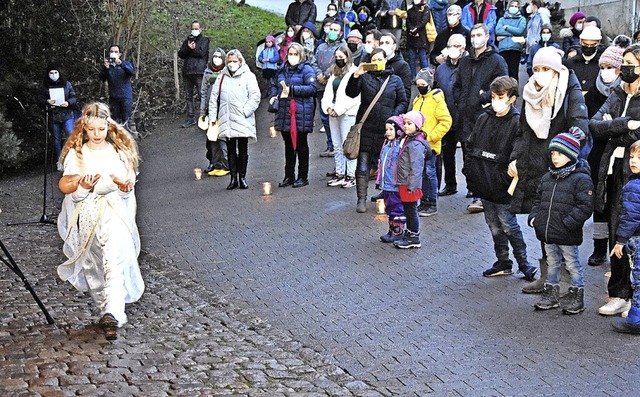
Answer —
550 57
612 56
416 118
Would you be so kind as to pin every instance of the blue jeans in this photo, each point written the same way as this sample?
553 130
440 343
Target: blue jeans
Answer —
430 180
555 255
324 118
634 252
121 109
504 230
422 54
57 129
411 213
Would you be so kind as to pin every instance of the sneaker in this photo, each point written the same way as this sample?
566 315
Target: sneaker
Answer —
614 306
499 269
349 182
447 191
409 240
337 180
188 123
475 206
428 210
528 270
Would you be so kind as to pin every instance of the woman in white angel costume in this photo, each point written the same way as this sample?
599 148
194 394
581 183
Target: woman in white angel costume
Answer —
97 221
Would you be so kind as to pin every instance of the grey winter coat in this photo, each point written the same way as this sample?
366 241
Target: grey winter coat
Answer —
414 150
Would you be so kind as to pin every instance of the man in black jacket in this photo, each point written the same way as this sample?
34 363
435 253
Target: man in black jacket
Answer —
299 12
195 52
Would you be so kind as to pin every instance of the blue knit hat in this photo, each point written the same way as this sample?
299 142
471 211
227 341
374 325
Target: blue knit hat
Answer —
568 143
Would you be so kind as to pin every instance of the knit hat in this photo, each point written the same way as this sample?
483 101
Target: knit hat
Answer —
591 33
568 143
550 57
53 66
416 118
397 122
355 33
425 74
271 39
575 17
612 56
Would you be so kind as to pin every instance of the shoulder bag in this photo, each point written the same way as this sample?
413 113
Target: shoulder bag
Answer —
351 145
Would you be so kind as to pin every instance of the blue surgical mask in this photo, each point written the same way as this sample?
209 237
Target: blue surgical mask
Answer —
513 10
362 16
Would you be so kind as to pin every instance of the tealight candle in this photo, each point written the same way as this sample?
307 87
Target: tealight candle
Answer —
198 173
266 188
272 132
380 206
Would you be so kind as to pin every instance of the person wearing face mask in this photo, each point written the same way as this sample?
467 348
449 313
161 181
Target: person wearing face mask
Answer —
608 78
571 36
438 55
371 42
417 44
117 73
546 40
295 91
239 94
618 123
269 59
354 43
553 103
342 110
510 36
396 61
445 77
289 37
585 64
332 10
216 151
347 16
61 116
390 15
475 74
299 12
195 53
538 16
365 22
480 11
393 101
308 38
432 104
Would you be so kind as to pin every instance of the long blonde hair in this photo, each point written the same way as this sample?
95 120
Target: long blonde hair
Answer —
119 137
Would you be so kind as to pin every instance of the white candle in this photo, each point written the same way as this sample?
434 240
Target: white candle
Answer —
380 206
198 173
266 188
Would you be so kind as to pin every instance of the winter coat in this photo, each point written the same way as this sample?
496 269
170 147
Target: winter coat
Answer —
302 83
416 23
352 17
208 80
629 225
534 49
570 39
272 56
364 26
239 99
475 75
439 13
393 101
443 38
437 120
401 69
532 153
58 113
586 71
535 26
388 165
444 78
299 13
562 206
487 154
339 101
414 150
195 61
388 21
510 26
119 79
616 133
488 17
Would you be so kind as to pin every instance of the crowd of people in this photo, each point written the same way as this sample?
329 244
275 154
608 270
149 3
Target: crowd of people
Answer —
570 152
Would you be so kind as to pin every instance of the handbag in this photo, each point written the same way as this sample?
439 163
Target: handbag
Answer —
214 128
432 33
273 107
351 145
203 122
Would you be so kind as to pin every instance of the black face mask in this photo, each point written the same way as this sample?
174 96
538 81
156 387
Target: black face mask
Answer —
423 90
629 74
341 62
588 51
352 46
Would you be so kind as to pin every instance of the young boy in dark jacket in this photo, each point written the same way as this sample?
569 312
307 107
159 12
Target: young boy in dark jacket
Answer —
563 204
485 166
628 235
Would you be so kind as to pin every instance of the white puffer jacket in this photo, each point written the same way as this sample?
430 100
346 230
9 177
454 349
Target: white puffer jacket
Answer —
239 99
344 104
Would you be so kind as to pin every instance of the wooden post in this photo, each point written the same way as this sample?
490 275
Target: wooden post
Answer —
175 74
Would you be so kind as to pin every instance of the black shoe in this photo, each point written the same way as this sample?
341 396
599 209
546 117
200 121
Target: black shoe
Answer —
242 183
447 191
300 182
286 182
377 197
469 194
233 184
109 325
208 169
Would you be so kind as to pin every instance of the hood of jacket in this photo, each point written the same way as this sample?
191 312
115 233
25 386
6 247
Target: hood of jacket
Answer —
491 49
312 27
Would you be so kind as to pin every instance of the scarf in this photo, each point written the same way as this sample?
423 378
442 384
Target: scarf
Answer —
564 171
604 88
542 106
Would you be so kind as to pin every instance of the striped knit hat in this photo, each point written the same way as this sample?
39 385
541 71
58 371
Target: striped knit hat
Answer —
568 143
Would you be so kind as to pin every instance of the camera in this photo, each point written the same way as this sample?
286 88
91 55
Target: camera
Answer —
112 61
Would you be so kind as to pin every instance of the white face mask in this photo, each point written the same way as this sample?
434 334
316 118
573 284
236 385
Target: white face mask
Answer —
388 49
54 76
332 13
293 60
478 42
233 66
306 35
499 106
290 33
114 55
195 33
416 2
454 53
453 19
545 37
367 48
529 9
608 75
579 27
217 61
543 78
327 29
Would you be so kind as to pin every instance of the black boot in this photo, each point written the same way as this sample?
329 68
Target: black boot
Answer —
575 302
233 170
376 197
242 170
362 183
550 298
600 254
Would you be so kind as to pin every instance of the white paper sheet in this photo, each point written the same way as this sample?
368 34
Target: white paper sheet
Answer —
57 94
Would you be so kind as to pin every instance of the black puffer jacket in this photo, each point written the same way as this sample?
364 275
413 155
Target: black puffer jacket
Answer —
562 206
487 155
417 19
393 101
195 61
532 153
586 71
401 69
299 13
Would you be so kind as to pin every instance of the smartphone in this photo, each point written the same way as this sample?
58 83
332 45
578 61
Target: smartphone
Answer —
371 67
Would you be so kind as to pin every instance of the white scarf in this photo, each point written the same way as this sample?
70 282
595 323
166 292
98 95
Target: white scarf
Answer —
539 112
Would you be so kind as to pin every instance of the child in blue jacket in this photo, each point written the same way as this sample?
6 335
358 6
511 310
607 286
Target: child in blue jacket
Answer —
387 168
269 58
628 235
